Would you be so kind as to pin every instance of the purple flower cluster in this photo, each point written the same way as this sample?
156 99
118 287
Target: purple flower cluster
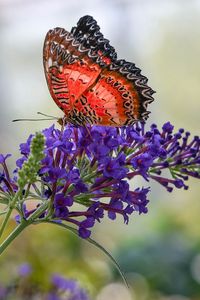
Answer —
24 287
92 166
70 287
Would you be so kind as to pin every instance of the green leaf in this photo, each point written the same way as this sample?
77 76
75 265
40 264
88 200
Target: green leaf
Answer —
3 213
4 200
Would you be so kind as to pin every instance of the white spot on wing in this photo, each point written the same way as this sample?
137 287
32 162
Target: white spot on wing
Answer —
50 62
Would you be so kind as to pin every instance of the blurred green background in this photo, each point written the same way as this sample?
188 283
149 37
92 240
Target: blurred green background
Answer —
159 252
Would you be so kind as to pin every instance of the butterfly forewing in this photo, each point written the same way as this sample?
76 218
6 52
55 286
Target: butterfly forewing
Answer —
69 72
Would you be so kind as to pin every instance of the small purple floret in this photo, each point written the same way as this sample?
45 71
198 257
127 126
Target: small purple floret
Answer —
24 270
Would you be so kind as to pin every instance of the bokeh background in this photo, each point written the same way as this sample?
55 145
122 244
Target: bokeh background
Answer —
159 252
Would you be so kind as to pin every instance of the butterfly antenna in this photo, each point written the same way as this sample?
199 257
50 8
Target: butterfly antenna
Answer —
48 116
47 119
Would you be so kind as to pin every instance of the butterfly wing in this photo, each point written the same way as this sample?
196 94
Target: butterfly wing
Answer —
88 82
73 62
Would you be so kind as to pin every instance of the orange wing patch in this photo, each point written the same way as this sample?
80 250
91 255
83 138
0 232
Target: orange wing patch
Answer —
113 98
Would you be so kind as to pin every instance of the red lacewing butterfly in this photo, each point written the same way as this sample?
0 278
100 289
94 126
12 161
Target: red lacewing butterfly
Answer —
88 82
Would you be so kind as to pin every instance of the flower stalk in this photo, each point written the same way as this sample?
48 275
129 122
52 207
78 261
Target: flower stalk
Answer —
11 237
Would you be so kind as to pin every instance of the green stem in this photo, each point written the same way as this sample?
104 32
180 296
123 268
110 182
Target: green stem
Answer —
50 206
12 206
4 201
90 176
38 212
27 190
5 221
96 244
13 235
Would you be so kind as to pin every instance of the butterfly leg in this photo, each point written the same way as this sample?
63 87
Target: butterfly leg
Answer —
62 122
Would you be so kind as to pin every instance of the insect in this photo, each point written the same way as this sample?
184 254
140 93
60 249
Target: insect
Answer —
88 82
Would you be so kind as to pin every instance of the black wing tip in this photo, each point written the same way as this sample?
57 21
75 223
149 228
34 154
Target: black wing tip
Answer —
85 24
87 32
85 19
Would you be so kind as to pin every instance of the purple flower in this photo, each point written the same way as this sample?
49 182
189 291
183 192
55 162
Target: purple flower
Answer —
55 174
20 161
24 270
53 296
115 168
139 200
61 200
61 212
47 164
25 147
3 158
122 189
114 207
75 292
96 211
100 151
2 292
63 283
168 127
142 163
74 175
84 232
89 222
80 187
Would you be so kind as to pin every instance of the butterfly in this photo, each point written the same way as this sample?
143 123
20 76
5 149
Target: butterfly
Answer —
87 81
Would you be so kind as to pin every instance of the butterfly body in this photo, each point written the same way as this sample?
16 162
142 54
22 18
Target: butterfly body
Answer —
87 81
